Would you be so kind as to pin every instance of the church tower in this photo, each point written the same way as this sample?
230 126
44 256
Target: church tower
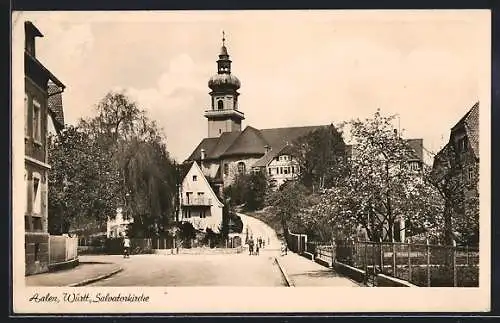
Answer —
223 115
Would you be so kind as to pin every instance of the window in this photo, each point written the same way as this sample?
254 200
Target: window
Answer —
470 175
285 170
37 196
414 165
220 131
281 170
27 187
195 178
26 133
241 167
220 105
202 214
37 121
226 169
188 197
293 169
270 171
462 144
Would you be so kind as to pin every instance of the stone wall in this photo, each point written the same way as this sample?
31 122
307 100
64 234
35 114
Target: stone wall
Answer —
36 253
233 167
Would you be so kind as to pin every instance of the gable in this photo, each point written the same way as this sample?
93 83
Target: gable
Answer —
200 185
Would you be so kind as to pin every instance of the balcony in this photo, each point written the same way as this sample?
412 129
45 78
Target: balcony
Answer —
224 113
197 201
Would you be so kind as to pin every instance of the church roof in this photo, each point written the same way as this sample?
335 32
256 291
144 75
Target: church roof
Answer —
250 141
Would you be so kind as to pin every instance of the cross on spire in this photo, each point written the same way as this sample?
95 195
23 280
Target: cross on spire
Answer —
223 38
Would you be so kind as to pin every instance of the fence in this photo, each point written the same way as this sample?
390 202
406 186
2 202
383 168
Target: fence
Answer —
297 242
420 264
62 249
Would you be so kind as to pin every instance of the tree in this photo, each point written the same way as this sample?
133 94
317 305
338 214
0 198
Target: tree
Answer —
380 186
322 157
288 202
83 189
249 189
116 159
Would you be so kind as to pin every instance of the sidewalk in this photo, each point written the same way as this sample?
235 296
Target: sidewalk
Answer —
307 273
87 270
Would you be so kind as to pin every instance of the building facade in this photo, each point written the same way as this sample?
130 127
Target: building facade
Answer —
117 227
456 173
40 86
199 204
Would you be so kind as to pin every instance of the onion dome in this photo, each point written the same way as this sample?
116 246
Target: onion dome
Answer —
224 80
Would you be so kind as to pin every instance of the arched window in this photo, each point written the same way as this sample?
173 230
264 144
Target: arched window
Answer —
220 105
241 167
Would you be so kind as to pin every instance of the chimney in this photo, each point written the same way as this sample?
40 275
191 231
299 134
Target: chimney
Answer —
267 148
203 154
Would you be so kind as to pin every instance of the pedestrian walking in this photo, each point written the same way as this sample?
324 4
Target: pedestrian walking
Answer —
257 249
283 249
126 247
250 246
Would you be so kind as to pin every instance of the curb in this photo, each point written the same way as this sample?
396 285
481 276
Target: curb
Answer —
93 280
289 282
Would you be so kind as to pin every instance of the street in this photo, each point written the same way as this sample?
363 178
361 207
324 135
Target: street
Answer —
202 270
257 228
194 270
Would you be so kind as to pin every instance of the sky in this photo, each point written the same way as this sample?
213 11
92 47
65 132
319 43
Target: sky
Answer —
296 67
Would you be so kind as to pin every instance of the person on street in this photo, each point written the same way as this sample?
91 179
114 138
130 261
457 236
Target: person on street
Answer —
257 249
283 249
250 246
126 247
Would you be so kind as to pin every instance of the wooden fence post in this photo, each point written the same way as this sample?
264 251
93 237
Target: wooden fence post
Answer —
454 261
428 254
366 261
381 256
409 262
393 259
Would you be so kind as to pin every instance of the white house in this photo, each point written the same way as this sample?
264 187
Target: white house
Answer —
199 204
279 165
116 227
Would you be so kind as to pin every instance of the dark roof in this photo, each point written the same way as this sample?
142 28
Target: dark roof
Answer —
470 123
249 141
472 128
55 105
32 30
268 157
276 137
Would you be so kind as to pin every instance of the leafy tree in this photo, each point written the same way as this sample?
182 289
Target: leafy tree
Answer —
249 189
116 159
380 186
322 157
287 203
83 189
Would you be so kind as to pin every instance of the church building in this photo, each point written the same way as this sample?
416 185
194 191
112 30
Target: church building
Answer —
228 149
